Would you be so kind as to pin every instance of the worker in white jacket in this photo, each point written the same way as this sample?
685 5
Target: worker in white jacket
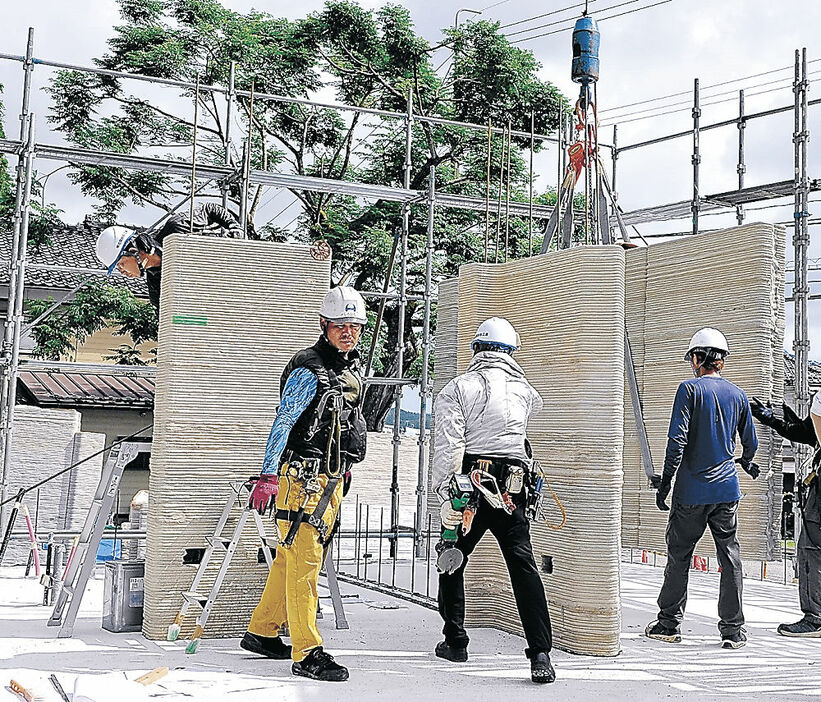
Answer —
480 429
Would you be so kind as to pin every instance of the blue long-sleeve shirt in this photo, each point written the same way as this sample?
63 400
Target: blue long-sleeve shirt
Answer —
297 394
707 413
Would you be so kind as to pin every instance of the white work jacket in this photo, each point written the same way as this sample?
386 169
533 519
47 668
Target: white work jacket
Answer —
484 412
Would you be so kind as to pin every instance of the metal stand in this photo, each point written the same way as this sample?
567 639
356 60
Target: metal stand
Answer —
85 555
228 546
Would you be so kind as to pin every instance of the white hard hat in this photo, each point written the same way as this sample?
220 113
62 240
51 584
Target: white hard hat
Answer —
707 339
497 330
344 305
111 243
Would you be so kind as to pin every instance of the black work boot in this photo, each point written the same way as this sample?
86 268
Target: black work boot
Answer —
271 646
804 628
320 665
455 654
736 640
541 670
656 630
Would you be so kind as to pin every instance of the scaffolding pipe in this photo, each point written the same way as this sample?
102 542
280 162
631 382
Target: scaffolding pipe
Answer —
14 315
487 189
194 157
229 115
507 195
696 158
801 245
530 181
186 85
499 203
741 167
400 327
615 156
424 384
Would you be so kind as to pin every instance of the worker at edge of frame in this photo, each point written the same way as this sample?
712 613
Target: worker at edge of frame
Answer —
318 433
708 412
139 253
481 429
803 431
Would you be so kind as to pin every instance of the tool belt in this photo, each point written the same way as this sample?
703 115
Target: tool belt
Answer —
301 468
510 473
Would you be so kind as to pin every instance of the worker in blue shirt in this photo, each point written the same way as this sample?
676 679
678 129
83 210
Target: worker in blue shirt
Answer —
707 413
318 433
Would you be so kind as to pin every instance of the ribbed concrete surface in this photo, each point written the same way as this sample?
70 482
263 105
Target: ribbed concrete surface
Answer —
233 312
569 310
43 442
732 280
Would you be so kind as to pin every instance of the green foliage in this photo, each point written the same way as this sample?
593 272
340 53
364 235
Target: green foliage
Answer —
370 58
97 306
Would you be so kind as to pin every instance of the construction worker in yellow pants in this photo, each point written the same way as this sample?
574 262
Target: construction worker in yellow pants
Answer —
318 434
290 593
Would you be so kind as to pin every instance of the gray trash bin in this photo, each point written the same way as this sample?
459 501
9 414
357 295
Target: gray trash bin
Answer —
123 596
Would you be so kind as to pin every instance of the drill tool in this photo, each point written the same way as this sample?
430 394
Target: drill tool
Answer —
460 494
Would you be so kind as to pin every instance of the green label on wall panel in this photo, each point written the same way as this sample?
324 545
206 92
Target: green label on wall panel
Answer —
189 320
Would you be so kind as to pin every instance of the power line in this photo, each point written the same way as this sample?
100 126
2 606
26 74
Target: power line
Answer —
616 118
685 109
707 87
495 4
601 19
546 14
566 19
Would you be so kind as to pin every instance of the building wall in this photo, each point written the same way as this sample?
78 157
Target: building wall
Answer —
232 314
43 442
736 286
568 308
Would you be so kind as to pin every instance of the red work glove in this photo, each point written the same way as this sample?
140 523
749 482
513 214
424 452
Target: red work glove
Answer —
264 493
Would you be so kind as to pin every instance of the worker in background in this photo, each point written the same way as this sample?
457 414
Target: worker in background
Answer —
135 254
481 423
803 431
319 431
708 411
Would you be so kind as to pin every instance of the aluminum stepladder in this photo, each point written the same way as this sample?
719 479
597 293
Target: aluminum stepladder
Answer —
85 553
228 545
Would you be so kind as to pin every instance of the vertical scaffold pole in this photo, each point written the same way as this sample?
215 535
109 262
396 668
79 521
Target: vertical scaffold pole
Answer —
424 382
229 115
696 158
194 156
400 330
741 167
530 181
615 156
8 379
801 245
14 316
487 188
507 194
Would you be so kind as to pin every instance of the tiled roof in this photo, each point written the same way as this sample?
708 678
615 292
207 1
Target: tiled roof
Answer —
71 246
52 384
789 371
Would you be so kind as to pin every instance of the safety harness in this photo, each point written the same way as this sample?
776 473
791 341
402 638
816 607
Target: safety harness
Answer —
307 472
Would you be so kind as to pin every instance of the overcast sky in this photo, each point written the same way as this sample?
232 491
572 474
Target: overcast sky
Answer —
644 55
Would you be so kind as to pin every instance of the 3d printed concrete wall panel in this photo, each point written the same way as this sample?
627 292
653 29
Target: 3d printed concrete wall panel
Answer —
569 310
233 312
43 442
731 280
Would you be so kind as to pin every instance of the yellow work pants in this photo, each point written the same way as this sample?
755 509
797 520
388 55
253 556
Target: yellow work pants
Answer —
290 594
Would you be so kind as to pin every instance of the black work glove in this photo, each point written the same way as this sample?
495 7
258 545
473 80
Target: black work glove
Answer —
750 467
763 413
662 484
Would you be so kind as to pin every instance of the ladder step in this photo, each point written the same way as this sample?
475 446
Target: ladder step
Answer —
195 598
222 541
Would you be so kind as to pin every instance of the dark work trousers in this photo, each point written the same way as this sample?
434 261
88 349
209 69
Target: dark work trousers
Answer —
809 570
685 526
512 531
